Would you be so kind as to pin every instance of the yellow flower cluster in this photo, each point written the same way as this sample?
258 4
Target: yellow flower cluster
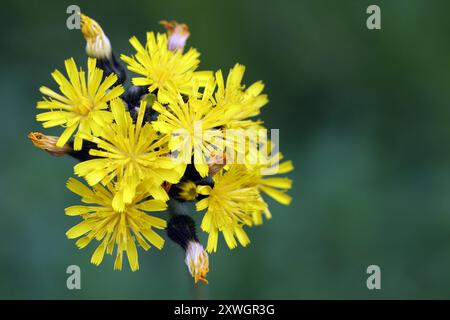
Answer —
137 157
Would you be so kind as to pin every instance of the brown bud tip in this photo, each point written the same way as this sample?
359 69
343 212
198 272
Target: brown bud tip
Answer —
48 143
178 34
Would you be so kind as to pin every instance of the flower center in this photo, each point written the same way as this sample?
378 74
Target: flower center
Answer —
84 106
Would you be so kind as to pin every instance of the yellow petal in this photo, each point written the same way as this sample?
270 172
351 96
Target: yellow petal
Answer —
282 183
98 254
79 188
66 136
202 204
79 230
229 238
132 255
278 195
213 237
152 205
242 236
78 210
154 238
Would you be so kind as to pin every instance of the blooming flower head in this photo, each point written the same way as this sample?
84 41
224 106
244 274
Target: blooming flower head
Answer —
113 228
193 126
83 103
231 203
132 153
162 68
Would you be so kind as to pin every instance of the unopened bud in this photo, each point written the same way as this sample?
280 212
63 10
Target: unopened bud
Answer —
197 261
48 143
178 34
97 43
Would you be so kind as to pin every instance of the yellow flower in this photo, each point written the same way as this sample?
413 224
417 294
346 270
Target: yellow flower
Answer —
131 152
83 102
233 92
162 68
231 204
111 227
193 126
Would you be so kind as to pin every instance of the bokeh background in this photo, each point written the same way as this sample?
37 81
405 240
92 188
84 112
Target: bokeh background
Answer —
364 115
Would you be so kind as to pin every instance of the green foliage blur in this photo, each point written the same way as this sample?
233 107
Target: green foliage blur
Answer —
364 115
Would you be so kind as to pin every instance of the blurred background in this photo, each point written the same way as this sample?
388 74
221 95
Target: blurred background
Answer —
364 115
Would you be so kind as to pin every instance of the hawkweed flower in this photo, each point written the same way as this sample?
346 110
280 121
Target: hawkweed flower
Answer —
115 228
181 229
194 127
162 68
230 204
83 103
132 153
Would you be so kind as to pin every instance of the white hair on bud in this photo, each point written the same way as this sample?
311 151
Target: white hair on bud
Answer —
197 261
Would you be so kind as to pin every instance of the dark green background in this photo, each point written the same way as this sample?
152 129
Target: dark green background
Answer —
364 115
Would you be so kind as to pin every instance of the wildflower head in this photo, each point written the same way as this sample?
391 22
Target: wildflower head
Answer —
159 67
194 127
115 228
82 104
48 143
132 153
230 205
